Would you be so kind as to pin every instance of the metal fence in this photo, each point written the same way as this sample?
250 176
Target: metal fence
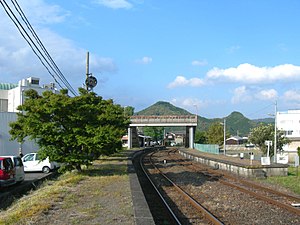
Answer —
214 149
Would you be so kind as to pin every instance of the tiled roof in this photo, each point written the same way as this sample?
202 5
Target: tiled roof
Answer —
7 86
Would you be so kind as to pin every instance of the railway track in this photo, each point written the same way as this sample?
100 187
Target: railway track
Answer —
197 212
160 212
196 181
268 195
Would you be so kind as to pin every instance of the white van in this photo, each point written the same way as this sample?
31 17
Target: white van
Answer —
32 163
18 168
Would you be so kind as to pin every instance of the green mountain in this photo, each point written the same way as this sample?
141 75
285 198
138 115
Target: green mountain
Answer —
236 123
163 108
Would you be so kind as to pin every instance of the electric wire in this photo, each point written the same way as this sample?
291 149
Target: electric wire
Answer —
24 18
35 48
28 42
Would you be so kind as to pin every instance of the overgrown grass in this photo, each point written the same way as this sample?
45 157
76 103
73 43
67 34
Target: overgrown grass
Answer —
104 171
292 181
39 201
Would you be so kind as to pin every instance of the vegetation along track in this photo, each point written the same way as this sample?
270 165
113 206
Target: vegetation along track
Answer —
233 200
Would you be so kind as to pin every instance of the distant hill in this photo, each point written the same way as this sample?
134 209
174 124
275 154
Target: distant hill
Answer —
236 122
163 108
264 120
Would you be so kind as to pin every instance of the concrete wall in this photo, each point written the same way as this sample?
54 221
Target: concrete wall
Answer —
8 147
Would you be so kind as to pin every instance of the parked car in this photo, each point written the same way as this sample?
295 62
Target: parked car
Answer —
7 172
32 163
18 167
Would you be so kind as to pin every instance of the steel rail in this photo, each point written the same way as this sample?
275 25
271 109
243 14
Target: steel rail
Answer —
294 198
208 215
157 191
262 197
259 196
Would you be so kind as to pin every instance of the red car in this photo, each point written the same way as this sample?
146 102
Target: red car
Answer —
7 172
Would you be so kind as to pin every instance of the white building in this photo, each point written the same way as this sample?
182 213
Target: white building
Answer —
289 123
11 96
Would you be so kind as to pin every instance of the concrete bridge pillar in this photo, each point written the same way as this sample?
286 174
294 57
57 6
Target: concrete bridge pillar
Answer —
133 139
191 137
129 138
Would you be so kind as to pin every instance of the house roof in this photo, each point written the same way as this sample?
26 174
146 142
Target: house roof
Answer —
7 86
236 138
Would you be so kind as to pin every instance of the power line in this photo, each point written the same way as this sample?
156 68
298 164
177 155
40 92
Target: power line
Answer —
24 18
44 60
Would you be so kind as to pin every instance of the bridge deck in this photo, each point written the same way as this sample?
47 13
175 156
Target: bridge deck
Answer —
171 120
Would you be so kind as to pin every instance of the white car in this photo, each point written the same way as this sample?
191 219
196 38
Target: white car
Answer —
32 163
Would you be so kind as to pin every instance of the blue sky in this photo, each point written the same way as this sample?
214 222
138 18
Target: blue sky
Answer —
210 57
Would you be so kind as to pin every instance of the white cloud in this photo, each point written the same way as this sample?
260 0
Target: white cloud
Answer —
292 95
247 73
233 49
241 94
18 61
269 94
199 63
193 105
179 81
144 60
115 4
43 12
182 81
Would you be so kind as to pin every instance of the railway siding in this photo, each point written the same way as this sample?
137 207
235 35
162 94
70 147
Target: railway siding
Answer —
231 199
241 167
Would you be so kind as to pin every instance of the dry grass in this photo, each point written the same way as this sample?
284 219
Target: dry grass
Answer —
99 195
39 202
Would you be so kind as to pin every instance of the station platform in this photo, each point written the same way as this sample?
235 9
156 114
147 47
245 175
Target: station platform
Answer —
141 210
239 166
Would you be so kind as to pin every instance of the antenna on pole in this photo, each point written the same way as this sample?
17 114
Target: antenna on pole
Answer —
87 68
90 81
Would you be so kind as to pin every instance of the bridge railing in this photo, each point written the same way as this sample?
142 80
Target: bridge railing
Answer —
164 119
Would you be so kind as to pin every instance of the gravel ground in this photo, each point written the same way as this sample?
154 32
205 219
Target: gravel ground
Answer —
230 205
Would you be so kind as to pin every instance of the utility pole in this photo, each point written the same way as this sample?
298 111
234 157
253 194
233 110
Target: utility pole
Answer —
90 81
275 134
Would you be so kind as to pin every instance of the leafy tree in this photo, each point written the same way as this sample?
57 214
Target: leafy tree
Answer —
200 137
74 131
215 134
262 133
157 133
128 111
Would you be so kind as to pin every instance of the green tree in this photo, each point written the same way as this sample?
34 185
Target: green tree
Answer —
74 131
200 137
262 133
215 134
128 111
157 133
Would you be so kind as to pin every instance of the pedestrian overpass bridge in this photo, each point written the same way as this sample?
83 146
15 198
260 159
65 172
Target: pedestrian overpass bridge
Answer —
188 121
